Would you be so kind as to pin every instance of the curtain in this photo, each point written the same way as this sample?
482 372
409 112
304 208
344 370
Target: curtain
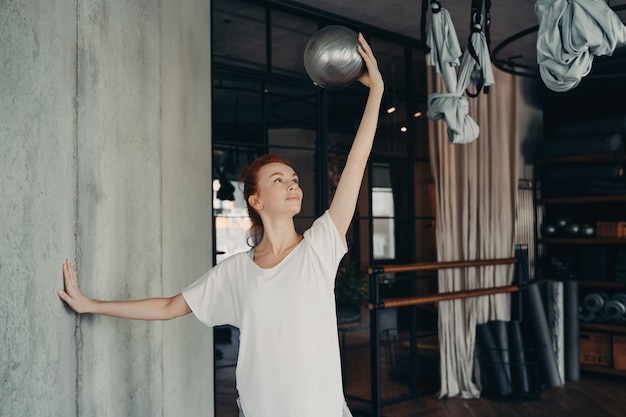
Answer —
476 191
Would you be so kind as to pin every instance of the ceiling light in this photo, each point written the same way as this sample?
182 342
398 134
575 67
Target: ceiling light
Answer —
403 129
417 114
391 109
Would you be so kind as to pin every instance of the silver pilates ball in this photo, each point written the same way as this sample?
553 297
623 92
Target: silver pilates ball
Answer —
331 58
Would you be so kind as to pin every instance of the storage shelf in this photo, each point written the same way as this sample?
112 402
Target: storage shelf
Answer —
603 370
616 328
583 199
583 241
603 284
592 159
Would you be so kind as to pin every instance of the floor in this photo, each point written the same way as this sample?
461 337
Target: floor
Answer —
594 395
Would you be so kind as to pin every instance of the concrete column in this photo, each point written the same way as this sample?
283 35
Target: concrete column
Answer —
105 158
119 202
38 354
187 198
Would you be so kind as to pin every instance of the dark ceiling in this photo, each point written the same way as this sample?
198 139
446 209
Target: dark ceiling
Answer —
513 28
238 27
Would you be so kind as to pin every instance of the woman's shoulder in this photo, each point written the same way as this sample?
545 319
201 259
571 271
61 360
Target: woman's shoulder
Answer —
323 228
324 221
235 259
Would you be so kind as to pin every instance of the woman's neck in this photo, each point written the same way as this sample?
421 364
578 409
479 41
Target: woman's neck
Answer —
277 242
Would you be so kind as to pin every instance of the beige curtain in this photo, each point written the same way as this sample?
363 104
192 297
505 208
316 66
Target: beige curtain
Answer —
476 189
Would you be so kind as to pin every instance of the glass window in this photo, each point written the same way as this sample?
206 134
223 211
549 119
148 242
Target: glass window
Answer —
345 109
394 133
290 35
229 207
391 62
423 190
418 67
425 240
231 219
418 128
238 34
237 112
383 212
336 162
288 107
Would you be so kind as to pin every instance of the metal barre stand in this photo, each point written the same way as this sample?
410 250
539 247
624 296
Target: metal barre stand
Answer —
376 304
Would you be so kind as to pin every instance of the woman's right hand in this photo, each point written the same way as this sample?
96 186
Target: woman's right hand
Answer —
72 295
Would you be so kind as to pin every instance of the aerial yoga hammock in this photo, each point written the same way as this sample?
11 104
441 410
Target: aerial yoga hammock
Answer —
571 33
474 69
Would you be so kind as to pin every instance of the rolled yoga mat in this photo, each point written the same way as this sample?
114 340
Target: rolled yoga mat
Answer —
553 304
519 368
539 325
571 331
501 338
491 356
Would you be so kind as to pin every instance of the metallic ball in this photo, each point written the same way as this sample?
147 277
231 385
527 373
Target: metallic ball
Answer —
331 58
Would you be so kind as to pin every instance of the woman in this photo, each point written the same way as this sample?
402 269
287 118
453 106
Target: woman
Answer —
280 294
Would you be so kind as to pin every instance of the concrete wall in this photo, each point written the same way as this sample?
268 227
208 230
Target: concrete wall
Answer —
105 158
187 206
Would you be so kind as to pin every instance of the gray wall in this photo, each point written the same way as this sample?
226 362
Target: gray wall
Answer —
105 158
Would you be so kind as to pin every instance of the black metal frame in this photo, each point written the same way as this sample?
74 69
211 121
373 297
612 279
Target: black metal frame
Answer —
377 304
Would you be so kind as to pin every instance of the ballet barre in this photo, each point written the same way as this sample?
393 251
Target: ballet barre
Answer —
376 304
434 298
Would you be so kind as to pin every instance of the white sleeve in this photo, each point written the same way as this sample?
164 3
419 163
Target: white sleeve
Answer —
328 244
211 297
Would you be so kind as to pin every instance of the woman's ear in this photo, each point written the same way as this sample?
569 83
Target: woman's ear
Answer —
254 202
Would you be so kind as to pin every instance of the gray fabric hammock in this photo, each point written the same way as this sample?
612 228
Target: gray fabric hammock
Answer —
571 33
445 55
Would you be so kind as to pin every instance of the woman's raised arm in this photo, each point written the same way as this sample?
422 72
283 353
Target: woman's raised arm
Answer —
146 309
344 202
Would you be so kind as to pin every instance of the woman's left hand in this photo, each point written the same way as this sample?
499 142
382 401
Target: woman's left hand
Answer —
72 295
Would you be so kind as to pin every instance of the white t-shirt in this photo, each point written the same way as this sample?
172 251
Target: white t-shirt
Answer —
288 362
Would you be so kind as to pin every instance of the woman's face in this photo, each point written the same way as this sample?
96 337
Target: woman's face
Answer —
278 190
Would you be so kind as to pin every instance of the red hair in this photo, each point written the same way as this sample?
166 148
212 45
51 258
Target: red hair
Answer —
249 179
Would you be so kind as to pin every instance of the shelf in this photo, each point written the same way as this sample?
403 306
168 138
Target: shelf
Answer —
603 284
604 327
583 199
589 189
603 370
583 241
589 159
